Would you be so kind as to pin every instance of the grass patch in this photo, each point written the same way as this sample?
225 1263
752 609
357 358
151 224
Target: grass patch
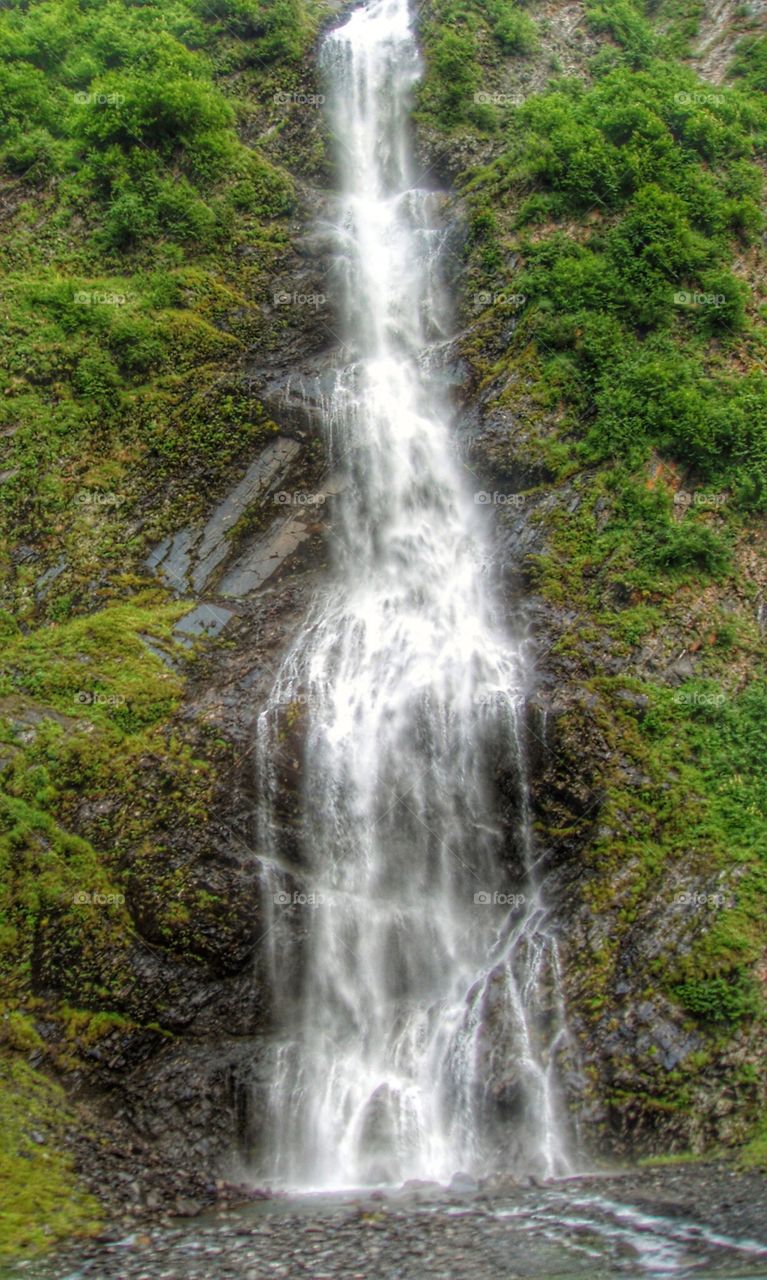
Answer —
42 1201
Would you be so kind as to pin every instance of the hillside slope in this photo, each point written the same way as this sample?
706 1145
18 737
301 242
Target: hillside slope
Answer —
614 342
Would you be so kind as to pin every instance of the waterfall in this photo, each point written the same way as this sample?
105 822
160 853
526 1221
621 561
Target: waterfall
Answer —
417 1014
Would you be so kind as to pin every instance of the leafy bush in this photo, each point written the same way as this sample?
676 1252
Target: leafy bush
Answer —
151 109
720 1000
116 93
278 26
750 62
120 122
452 57
638 42
622 317
453 33
514 30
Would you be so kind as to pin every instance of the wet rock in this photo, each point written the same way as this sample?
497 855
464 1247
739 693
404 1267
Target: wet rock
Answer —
190 559
186 1208
206 621
463 1183
47 579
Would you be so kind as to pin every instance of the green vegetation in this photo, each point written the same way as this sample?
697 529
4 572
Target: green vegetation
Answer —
750 63
754 1154
463 39
636 320
629 202
702 810
42 1202
662 1162
615 312
79 703
138 259
143 232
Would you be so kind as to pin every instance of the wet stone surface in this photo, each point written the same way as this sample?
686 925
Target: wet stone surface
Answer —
676 1222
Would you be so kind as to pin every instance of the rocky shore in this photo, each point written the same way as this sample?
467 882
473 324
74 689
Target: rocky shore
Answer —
702 1219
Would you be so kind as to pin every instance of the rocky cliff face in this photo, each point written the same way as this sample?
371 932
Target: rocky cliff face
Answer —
637 677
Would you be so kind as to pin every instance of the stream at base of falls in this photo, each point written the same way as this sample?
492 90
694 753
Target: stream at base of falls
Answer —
680 1223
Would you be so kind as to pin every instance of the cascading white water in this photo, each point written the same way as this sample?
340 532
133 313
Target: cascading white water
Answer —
410 980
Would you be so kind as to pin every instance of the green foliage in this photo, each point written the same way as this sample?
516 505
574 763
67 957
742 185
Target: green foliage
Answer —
624 316
750 63
456 73
514 29
727 999
456 37
699 819
713 744
121 101
81 704
279 28
621 19
42 1201
754 1154
135 203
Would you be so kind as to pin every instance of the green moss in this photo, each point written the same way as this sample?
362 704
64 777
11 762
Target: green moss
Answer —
668 1161
19 1033
81 702
703 806
96 666
754 1154
42 1201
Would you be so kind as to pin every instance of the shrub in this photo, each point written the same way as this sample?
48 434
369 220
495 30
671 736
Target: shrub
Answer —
750 62
516 32
153 109
728 999
452 58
